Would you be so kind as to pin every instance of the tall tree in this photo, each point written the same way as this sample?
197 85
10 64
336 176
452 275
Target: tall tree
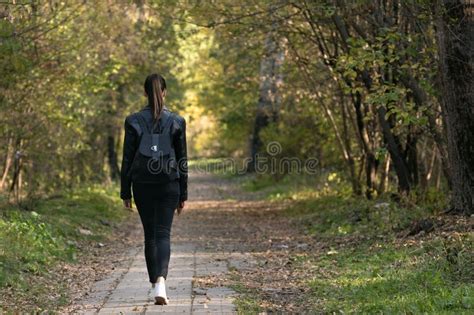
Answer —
268 101
270 82
455 22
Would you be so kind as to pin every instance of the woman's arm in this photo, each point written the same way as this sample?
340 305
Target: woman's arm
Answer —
129 149
182 158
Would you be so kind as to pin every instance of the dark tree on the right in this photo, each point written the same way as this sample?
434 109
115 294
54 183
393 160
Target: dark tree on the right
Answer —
455 35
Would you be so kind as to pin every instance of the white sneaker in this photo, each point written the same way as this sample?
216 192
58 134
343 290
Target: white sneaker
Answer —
159 291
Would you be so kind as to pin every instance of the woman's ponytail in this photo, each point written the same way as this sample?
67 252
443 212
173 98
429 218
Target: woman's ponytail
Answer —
155 85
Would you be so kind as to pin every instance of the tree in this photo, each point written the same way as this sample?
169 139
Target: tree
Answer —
269 95
455 23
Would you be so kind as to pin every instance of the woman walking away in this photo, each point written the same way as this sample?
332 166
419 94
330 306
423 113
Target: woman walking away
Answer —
154 167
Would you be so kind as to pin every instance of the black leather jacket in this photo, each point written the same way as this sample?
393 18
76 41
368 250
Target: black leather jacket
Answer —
133 133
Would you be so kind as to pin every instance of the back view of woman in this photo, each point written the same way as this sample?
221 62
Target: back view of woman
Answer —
154 167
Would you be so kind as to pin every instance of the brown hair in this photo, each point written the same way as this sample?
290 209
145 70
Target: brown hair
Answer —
155 85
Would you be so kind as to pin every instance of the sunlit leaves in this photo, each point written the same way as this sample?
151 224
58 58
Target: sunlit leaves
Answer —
69 74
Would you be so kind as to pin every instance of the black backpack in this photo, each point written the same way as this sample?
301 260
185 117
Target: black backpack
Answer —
155 159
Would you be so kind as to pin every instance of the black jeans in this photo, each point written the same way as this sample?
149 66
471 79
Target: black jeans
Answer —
156 204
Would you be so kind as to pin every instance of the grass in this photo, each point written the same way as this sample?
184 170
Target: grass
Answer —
337 215
247 301
33 242
390 279
369 265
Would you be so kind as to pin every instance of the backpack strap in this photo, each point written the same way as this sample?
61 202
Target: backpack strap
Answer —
145 128
142 123
168 123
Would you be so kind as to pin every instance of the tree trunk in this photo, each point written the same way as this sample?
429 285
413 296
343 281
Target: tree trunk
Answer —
411 158
356 189
455 35
7 164
383 184
112 158
399 163
16 180
421 98
269 99
370 164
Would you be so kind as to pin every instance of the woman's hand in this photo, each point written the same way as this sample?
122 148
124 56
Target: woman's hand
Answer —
127 203
180 207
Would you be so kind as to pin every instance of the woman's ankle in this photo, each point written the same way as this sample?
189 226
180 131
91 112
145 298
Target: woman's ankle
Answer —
160 279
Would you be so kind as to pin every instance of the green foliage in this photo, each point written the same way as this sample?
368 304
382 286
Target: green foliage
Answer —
72 71
326 206
28 245
391 55
32 242
70 74
334 215
215 108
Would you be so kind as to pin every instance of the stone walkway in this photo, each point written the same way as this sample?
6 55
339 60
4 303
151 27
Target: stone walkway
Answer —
127 290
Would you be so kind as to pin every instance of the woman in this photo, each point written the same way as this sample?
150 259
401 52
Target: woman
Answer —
156 202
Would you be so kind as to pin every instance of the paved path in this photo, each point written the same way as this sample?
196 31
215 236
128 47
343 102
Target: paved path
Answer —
132 293
127 290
